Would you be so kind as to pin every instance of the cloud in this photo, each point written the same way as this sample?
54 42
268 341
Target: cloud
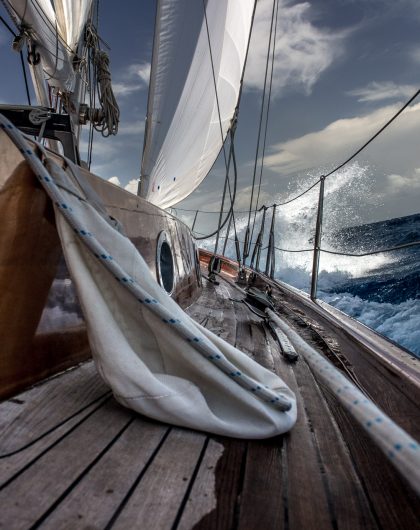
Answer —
141 70
132 186
375 91
415 55
134 128
115 180
396 149
398 183
125 89
134 78
303 51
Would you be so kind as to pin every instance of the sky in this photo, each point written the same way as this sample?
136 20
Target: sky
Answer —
342 68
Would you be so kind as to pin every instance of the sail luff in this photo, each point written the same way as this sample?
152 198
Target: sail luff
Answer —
183 130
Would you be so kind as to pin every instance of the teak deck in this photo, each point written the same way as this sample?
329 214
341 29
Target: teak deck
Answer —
72 458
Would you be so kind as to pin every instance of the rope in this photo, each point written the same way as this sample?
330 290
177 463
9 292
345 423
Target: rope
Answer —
398 446
106 120
182 327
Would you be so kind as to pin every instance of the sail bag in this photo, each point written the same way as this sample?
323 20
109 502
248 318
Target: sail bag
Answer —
150 367
155 358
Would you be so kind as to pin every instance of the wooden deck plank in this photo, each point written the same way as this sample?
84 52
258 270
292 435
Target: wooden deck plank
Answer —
156 500
262 503
34 412
228 485
304 487
202 499
395 504
12 465
348 501
31 494
116 469
94 500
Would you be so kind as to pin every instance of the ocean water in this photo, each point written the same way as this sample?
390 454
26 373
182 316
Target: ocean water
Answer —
381 291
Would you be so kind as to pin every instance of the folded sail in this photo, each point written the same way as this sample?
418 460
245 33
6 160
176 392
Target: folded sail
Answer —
55 29
183 133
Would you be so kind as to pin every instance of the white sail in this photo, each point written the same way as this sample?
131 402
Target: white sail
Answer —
183 136
71 18
55 29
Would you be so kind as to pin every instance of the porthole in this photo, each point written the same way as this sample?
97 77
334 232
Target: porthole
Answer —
164 263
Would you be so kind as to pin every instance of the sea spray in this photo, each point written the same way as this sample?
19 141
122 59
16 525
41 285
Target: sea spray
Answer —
382 290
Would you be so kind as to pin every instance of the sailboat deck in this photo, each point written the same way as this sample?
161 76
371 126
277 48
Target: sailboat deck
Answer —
71 457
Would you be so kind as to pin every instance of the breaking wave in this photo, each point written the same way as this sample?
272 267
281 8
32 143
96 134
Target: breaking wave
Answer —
383 290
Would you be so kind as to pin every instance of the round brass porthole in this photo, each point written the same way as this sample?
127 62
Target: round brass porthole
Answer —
164 263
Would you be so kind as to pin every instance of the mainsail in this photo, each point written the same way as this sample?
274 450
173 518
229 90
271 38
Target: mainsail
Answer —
54 30
183 131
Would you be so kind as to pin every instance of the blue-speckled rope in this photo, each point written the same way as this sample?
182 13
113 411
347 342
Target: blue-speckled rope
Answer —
201 344
401 449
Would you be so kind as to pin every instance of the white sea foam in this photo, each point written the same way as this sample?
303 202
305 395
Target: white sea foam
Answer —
347 196
399 322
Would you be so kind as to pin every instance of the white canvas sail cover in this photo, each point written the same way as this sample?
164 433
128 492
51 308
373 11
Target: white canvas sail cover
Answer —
183 136
55 28
157 360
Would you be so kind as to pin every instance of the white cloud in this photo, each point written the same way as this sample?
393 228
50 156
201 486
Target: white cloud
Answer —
375 91
398 183
141 70
303 51
134 128
415 55
396 149
135 78
125 89
132 186
115 180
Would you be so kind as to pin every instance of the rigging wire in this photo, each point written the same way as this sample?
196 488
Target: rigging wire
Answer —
246 250
340 166
232 197
231 152
234 121
273 54
22 61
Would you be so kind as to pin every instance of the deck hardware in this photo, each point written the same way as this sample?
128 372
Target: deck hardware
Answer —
286 347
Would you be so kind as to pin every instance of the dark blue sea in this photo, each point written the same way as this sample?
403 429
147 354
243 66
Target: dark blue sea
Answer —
381 291
386 294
